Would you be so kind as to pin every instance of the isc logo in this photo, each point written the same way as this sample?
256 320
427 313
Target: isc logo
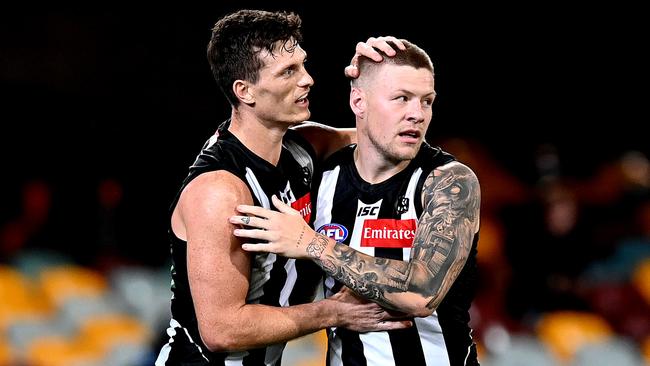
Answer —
335 231
367 211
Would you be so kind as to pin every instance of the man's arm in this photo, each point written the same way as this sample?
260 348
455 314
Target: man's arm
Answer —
451 200
219 274
326 139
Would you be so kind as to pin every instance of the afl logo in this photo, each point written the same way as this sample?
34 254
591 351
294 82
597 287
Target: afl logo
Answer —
335 231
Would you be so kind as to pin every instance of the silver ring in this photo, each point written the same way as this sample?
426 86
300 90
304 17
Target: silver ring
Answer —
246 220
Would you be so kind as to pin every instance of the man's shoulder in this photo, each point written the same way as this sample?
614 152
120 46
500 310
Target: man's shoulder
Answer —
341 156
215 186
434 156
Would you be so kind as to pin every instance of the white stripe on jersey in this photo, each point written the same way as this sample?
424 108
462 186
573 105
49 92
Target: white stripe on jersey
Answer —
166 349
292 276
372 210
335 348
377 348
411 214
326 197
257 188
263 263
233 362
433 343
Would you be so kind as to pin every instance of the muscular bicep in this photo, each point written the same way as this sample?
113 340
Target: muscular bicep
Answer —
451 200
218 269
325 139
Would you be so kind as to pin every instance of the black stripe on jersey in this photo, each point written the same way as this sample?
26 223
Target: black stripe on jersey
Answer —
273 287
257 356
406 345
352 351
308 279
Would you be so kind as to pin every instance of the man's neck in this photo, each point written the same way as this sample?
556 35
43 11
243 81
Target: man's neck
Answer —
372 166
262 138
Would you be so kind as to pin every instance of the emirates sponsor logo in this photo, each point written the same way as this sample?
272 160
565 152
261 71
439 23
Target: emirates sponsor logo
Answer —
388 233
303 205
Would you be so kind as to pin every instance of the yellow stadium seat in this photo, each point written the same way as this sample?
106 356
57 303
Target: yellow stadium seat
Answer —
6 354
108 331
21 299
645 349
641 279
564 332
60 351
64 282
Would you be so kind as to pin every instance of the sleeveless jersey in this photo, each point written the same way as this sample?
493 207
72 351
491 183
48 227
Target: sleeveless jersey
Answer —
380 220
274 280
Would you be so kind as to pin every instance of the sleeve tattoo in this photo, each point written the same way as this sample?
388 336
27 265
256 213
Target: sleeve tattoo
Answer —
443 239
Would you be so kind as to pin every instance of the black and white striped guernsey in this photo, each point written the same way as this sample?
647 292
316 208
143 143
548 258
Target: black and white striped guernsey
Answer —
274 280
380 220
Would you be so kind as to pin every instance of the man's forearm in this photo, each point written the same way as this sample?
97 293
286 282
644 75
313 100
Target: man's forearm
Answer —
391 283
254 325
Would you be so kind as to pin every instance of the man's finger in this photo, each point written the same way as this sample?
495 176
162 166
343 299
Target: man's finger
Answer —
255 210
367 50
395 324
252 233
250 221
283 207
351 72
254 248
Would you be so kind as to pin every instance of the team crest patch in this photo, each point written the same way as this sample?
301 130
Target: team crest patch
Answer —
402 205
337 232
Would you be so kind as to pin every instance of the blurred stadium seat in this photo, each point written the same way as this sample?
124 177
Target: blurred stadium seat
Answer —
641 280
21 299
615 351
65 282
566 331
521 350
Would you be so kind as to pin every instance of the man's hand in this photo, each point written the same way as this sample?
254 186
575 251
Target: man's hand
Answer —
361 315
367 49
285 232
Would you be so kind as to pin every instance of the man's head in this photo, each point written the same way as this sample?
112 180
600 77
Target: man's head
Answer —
249 45
392 102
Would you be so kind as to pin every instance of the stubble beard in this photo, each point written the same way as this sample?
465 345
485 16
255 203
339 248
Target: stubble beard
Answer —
390 153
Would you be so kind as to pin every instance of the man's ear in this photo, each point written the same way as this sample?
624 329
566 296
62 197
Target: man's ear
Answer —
243 91
358 102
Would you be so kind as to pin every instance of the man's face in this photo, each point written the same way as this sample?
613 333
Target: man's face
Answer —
398 110
282 88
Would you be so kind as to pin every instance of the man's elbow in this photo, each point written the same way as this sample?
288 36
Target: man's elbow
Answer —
222 342
417 306
422 311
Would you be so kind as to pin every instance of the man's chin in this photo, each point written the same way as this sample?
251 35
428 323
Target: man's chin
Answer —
300 118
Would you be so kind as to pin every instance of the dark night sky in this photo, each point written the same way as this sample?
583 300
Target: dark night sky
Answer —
127 93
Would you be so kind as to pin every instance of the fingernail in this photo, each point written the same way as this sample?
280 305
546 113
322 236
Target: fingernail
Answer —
236 232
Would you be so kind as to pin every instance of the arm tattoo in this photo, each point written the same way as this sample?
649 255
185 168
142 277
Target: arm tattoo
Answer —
302 233
316 246
443 239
